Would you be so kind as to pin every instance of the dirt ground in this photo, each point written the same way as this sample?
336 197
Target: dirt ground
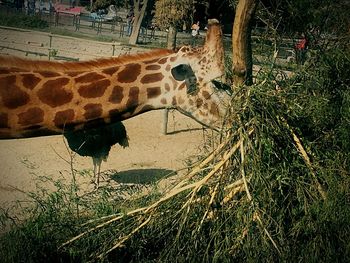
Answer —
24 160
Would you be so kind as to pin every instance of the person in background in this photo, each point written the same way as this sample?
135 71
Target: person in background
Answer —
300 50
195 33
130 21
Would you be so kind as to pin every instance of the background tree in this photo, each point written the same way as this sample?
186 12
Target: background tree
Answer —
139 13
172 15
314 17
103 4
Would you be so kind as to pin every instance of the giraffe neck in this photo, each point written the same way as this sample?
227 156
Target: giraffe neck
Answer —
52 98
44 98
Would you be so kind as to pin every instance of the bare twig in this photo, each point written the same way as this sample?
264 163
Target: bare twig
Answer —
179 188
306 158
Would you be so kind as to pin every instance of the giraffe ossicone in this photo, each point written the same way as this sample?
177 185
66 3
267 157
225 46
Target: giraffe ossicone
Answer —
39 98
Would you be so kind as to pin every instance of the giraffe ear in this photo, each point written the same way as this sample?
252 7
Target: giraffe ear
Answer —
185 73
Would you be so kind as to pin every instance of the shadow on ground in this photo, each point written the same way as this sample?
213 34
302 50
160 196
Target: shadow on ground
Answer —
141 176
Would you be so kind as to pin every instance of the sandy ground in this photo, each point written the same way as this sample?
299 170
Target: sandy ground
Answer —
24 160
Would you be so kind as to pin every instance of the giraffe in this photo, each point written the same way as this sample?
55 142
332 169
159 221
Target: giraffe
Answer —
41 98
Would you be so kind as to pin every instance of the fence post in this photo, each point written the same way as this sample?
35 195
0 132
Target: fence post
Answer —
165 121
50 44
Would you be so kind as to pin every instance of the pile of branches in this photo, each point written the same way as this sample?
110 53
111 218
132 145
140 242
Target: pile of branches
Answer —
276 188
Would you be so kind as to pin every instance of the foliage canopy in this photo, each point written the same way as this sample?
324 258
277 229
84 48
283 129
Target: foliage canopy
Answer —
172 13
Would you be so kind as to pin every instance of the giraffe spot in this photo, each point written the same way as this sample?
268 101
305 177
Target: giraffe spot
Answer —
191 102
4 120
54 94
92 111
151 61
162 60
151 78
12 96
95 89
205 106
30 81
206 94
182 86
133 99
199 102
174 101
172 59
63 117
73 73
129 73
203 113
168 68
31 116
48 74
117 95
214 109
203 60
180 100
153 67
110 71
4 71
89 77
153 92
167 87
163 101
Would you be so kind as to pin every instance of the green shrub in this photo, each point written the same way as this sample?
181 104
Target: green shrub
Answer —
294 208
23 21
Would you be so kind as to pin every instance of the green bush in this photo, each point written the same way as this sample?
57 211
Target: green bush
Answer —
23 21
297 209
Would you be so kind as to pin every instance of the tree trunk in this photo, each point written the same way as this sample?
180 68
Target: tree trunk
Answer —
172 37
139 13
242 58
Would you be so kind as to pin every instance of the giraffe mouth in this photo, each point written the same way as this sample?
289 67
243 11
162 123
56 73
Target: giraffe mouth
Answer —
221 86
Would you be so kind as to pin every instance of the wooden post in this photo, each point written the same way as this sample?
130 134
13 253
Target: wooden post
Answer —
165 122
50 44
113 49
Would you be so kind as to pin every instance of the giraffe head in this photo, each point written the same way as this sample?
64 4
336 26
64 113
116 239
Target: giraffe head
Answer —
199 68
208 61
